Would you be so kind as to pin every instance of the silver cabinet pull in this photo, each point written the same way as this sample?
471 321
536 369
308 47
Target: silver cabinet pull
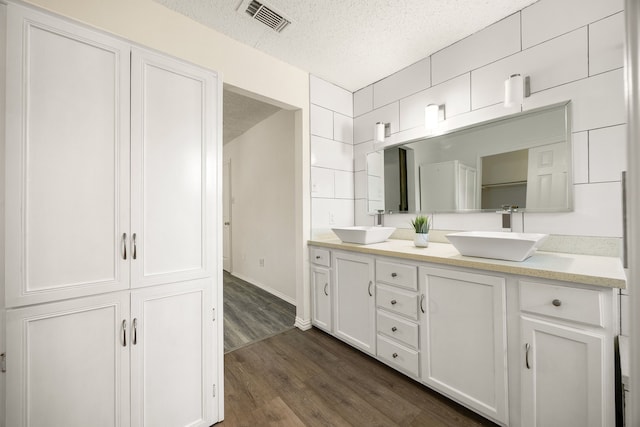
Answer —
124 245
369 288
326 286
394 274
317 256
394 329
527 347
556 302
134 338
134 251
393 302
394 355
422 303
124 332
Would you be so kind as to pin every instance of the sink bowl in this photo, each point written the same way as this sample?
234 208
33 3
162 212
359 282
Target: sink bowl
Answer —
497 244
363 235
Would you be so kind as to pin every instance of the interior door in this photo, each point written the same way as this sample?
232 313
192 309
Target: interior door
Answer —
173 173
172 357
547 176
67 160
226 216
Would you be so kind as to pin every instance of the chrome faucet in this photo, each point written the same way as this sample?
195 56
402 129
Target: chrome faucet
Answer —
379 219
507 212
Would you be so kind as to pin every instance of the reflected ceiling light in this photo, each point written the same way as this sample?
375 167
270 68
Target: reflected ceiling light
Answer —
516 88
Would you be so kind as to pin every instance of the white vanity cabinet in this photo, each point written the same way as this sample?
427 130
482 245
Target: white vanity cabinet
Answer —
567 351
321 290
111 195
354 313
464 338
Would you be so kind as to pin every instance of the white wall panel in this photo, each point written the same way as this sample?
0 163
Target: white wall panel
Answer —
454 94
322 182
360 155
405 82
361 185
330 96
596 102
344 185
321 121
555 62
342 128
606 40
580 158
607 153
550 18
363 101
327 213
331 154
363 126
490 44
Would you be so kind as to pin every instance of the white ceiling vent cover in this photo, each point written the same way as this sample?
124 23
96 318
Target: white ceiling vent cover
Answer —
267 16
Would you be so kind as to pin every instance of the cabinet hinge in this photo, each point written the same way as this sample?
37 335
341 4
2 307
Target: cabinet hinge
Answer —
213 314
3 362
214 390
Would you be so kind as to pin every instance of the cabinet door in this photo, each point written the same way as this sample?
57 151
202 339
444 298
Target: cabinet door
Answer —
174 110
68 363
67 160
322 294
354 301
463 338
562 376
172 357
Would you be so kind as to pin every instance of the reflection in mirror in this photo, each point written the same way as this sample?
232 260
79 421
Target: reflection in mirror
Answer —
521 160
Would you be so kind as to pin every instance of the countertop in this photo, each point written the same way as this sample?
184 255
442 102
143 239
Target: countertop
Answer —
586 269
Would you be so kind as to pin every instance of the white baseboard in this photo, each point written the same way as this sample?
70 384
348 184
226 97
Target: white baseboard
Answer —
302 324
266 288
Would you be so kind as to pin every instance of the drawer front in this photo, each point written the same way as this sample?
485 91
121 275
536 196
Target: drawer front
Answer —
398 329
577 305
402 275
398 356
397 301
321 257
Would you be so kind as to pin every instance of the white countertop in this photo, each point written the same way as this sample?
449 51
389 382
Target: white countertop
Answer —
586 269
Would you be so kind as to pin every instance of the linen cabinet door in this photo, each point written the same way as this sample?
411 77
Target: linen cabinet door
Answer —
67 160
172 357
68 363
322 293
173 127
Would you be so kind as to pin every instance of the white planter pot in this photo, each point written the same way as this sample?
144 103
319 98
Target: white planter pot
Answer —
421 240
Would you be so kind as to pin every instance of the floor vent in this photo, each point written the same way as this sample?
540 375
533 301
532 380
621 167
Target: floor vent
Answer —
267 16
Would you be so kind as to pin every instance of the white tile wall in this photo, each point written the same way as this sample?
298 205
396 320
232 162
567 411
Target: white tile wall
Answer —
405 82
580 147
552 63
361 185
321 121
327 213
363 101
344 185
360 153
342 128
363 125
330 96
606 42
607 153
331 154
547 19
322 182
490 44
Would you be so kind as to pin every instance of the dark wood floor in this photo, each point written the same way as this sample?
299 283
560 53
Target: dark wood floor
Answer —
252 314
312 379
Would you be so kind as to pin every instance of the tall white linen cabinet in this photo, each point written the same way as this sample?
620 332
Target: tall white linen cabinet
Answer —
112 268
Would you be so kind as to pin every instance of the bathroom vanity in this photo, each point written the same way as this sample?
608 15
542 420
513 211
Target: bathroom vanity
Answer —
522 343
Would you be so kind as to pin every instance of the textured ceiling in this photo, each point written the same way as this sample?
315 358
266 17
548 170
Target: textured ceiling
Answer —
352 43
241 113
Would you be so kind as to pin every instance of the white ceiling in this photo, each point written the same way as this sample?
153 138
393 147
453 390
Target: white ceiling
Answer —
352 43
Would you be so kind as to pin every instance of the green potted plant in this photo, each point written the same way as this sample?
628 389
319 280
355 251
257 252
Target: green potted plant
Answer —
421 226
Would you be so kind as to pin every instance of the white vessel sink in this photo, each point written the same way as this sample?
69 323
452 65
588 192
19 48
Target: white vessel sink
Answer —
363 235
497 244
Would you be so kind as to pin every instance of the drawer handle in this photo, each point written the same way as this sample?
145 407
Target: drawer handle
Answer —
527 347
394 274
326 285
317 256
124 246
394 329
369 288
124 332
556 302
393 302
394 355
422 303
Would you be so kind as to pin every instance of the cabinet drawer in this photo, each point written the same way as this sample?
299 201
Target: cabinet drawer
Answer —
399 329
398 356
397 301
578 305
396 274
321 257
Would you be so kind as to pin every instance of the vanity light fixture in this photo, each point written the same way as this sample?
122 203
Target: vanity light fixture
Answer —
381 131
433 113
516 88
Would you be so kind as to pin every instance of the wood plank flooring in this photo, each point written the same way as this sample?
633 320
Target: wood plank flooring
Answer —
252 314
312 379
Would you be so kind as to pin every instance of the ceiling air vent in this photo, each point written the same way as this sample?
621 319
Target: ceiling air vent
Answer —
267 16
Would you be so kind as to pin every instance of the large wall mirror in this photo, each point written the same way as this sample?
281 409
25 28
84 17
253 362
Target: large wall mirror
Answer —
521 160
